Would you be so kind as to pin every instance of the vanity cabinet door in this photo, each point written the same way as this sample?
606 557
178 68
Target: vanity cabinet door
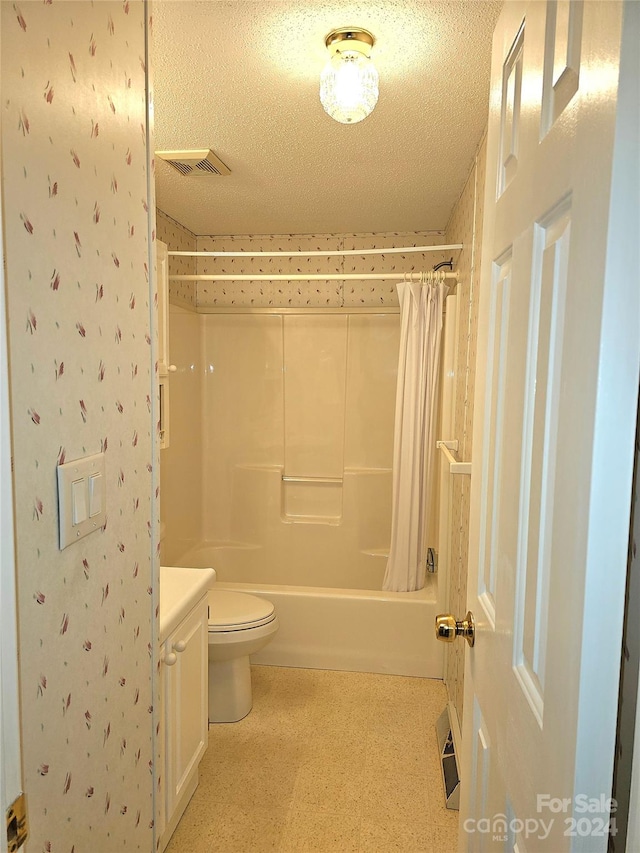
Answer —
161 762
186 697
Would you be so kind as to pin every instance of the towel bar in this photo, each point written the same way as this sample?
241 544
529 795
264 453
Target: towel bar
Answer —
455 466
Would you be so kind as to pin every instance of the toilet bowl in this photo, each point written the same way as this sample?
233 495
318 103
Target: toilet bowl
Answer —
239 625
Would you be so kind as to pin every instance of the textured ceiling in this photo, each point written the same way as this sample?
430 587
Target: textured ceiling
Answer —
242 78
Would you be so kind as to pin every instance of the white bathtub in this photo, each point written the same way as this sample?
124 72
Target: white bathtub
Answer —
330 628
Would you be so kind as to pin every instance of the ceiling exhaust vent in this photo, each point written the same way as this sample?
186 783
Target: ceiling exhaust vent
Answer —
200 162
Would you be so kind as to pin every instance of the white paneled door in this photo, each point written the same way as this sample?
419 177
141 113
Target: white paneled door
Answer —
556 400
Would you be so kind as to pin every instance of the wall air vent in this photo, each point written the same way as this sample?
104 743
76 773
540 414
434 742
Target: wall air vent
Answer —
199 162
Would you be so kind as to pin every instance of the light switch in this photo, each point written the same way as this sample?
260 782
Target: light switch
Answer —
79 500
95 494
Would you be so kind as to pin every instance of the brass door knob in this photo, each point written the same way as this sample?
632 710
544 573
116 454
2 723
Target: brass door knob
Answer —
448 628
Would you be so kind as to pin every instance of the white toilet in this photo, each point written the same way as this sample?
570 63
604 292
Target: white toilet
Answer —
239 625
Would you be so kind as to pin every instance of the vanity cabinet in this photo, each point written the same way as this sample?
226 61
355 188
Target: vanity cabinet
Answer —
184 715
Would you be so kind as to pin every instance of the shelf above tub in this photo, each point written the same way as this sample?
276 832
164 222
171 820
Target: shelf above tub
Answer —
455 466
322 480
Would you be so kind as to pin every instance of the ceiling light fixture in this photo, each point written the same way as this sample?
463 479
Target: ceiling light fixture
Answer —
349 81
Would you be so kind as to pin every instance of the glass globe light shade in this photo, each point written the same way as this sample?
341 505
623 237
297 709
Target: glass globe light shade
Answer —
349 87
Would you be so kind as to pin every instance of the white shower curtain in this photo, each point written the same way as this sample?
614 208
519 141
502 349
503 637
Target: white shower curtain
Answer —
421 306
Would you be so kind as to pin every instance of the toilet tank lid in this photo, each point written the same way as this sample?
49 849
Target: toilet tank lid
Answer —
230 609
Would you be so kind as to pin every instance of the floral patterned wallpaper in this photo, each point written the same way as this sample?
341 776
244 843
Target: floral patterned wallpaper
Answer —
465 226
295 294
77 202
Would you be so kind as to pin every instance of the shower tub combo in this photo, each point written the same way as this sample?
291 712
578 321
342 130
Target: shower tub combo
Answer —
291 415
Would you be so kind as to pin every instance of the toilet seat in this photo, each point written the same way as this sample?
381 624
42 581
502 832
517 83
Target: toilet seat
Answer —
238 611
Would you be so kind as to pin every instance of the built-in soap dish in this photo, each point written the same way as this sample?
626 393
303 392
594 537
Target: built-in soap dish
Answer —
311 500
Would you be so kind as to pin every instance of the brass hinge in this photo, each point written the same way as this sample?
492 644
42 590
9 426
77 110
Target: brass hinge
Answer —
17 824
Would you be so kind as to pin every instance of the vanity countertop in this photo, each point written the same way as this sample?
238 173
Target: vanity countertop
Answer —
180 591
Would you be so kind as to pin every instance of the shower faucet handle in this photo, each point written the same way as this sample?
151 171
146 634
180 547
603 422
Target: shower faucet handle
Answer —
448 628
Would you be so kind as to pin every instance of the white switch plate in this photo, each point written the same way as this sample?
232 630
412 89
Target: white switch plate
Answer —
73 484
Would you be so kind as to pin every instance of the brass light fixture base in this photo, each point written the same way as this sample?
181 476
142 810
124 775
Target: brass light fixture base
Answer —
350 38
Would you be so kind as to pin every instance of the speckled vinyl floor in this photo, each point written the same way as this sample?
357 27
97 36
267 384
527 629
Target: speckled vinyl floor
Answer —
332 762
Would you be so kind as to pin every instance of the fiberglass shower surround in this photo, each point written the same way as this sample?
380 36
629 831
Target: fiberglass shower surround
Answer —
298 464
297 448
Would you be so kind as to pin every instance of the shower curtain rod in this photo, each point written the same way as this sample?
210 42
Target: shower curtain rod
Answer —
328 253
374 276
